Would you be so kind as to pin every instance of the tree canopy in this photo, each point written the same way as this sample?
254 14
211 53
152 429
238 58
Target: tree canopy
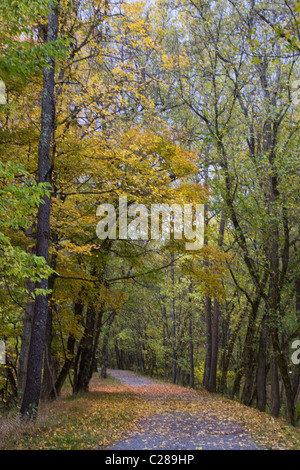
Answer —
174 103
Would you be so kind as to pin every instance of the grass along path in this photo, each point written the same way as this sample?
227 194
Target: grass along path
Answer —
113 414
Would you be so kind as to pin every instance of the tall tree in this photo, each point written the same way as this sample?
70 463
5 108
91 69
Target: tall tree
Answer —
32 389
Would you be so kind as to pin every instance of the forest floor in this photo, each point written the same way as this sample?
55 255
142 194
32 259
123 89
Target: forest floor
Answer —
130 412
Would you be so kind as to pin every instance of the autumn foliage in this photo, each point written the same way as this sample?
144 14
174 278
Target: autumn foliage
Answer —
176 103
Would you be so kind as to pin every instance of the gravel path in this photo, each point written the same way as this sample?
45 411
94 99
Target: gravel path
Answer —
129 378
181 430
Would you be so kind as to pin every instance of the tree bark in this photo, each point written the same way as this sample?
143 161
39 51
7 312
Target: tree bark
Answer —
35 359
248 354
227 354
191 354
261 374
208 353
207 364
275 392
82 375
174 361
104 351
85 361
212 383
284 372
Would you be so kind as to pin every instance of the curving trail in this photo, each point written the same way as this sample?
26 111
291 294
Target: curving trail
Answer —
185 420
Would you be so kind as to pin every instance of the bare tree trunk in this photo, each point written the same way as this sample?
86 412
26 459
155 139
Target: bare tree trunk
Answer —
174 363
86 355
275 392
35 359
191 353
207 364
104 352
208 353
248 354
261 374
212 384
82 375
237 383
227 354
104 357
284 372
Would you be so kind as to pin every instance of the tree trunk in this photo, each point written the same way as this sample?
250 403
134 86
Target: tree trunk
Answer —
191 354
104 352
104 357
248 354
275 392
97 330
35 359
208 353
69 355
237 383
82 375
284 372
207 364
86 356
261 374
212 383
227 354
26 336
47 382
48 375
174 362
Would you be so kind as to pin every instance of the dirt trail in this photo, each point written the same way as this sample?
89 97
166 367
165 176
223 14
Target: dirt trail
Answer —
185 420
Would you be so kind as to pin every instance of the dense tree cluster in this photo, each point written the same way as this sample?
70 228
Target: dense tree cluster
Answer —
175 102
